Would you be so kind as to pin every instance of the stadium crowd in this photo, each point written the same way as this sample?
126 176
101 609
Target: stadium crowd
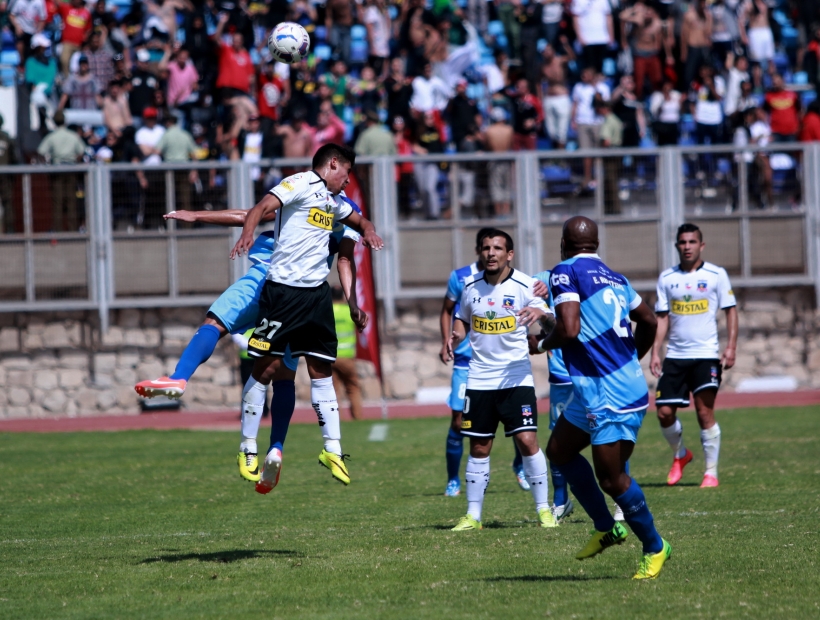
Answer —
180 80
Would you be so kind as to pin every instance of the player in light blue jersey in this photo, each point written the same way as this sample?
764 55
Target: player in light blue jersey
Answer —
235 311
593 307
461 363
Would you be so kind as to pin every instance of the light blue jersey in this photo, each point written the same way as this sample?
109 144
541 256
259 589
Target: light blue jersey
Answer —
455 286
558 371
602 362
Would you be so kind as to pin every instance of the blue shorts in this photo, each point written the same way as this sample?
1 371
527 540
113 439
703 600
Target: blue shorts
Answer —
605 426
458 389
238 307
560 397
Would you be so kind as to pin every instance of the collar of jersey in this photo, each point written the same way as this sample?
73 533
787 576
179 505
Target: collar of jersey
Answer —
702 263
320 177
509 275
587 255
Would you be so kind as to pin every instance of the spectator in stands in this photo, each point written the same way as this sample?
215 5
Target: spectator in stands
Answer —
147 138
738 72
116 113
611 135
144 81
532 25
499 139
585 121
368 92
375 140
81 90
509 12
377 20
63 146
695 40
428 141
399 87
462 114
594 29
340 84
176 146
413 34
784 107
755 31
273 96
128 188
236 79
297 138
329 128
725 31
629 110
430 94
527 116
707 94
339 19
810 131
496 75
303 91
41 74
75 30
646 41
754 130
183 82
551 17
404 170
748 99
8 156
557 105
100 58
27 17
665 106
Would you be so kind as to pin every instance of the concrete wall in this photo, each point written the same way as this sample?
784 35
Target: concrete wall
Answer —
55 364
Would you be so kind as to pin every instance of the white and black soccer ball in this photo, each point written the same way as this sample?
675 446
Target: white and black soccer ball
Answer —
289 42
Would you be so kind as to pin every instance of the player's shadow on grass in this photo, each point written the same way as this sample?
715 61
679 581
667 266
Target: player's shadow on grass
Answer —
663 485
543 578
488 525
224 557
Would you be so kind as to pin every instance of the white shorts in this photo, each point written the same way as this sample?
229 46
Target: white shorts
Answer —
761 44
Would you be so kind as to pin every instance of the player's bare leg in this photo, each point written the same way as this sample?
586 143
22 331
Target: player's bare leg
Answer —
672 430
323 399
535 469
709 435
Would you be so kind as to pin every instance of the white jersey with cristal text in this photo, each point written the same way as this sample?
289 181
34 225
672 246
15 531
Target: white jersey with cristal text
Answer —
302 228
692 300
501 357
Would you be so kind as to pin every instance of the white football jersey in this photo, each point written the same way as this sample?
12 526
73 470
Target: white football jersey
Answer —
501 356
302 228
692 300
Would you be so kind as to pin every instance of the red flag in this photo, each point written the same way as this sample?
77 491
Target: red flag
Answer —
367 342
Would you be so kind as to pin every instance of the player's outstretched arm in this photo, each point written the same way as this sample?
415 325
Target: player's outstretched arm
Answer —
646 328
346 266
365 228
263 210
228 217
655 364
728 357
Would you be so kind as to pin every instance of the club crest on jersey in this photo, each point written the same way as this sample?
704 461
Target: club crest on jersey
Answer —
493 325
688 287
508 303
526 410
702 285
490 301
320 219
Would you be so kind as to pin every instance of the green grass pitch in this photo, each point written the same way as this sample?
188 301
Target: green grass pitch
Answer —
159 525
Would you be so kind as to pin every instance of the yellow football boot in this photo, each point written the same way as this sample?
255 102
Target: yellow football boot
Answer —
652 563
248 466
602 540
467 523
336 464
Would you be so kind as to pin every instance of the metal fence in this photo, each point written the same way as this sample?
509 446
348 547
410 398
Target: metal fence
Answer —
93 236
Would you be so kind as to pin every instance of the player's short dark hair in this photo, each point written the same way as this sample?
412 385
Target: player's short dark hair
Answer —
480 236
688 228
328 151
490 233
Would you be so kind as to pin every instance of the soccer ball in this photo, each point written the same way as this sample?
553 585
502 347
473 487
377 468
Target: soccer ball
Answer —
288 42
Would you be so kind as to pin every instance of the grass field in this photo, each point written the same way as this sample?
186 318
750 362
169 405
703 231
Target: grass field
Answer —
158 524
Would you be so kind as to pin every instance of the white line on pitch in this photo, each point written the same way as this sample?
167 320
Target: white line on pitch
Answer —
378 432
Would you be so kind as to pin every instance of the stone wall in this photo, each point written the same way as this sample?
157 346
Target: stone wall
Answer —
55 364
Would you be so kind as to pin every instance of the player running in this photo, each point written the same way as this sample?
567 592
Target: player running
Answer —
689 296
235 312
496 306
461 362
593 307
295 307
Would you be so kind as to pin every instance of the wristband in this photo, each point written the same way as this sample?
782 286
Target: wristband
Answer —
541 348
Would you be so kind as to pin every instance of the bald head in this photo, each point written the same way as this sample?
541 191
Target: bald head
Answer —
580 236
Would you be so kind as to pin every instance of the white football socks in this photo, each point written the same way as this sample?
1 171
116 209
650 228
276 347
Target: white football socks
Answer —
253 402
323 398
535 469
674 435
477 477
710 439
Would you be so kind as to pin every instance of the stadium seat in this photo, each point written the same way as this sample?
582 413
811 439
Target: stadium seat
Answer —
321 34
609 67
10 57
495 28
358 51
323 51
358 33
